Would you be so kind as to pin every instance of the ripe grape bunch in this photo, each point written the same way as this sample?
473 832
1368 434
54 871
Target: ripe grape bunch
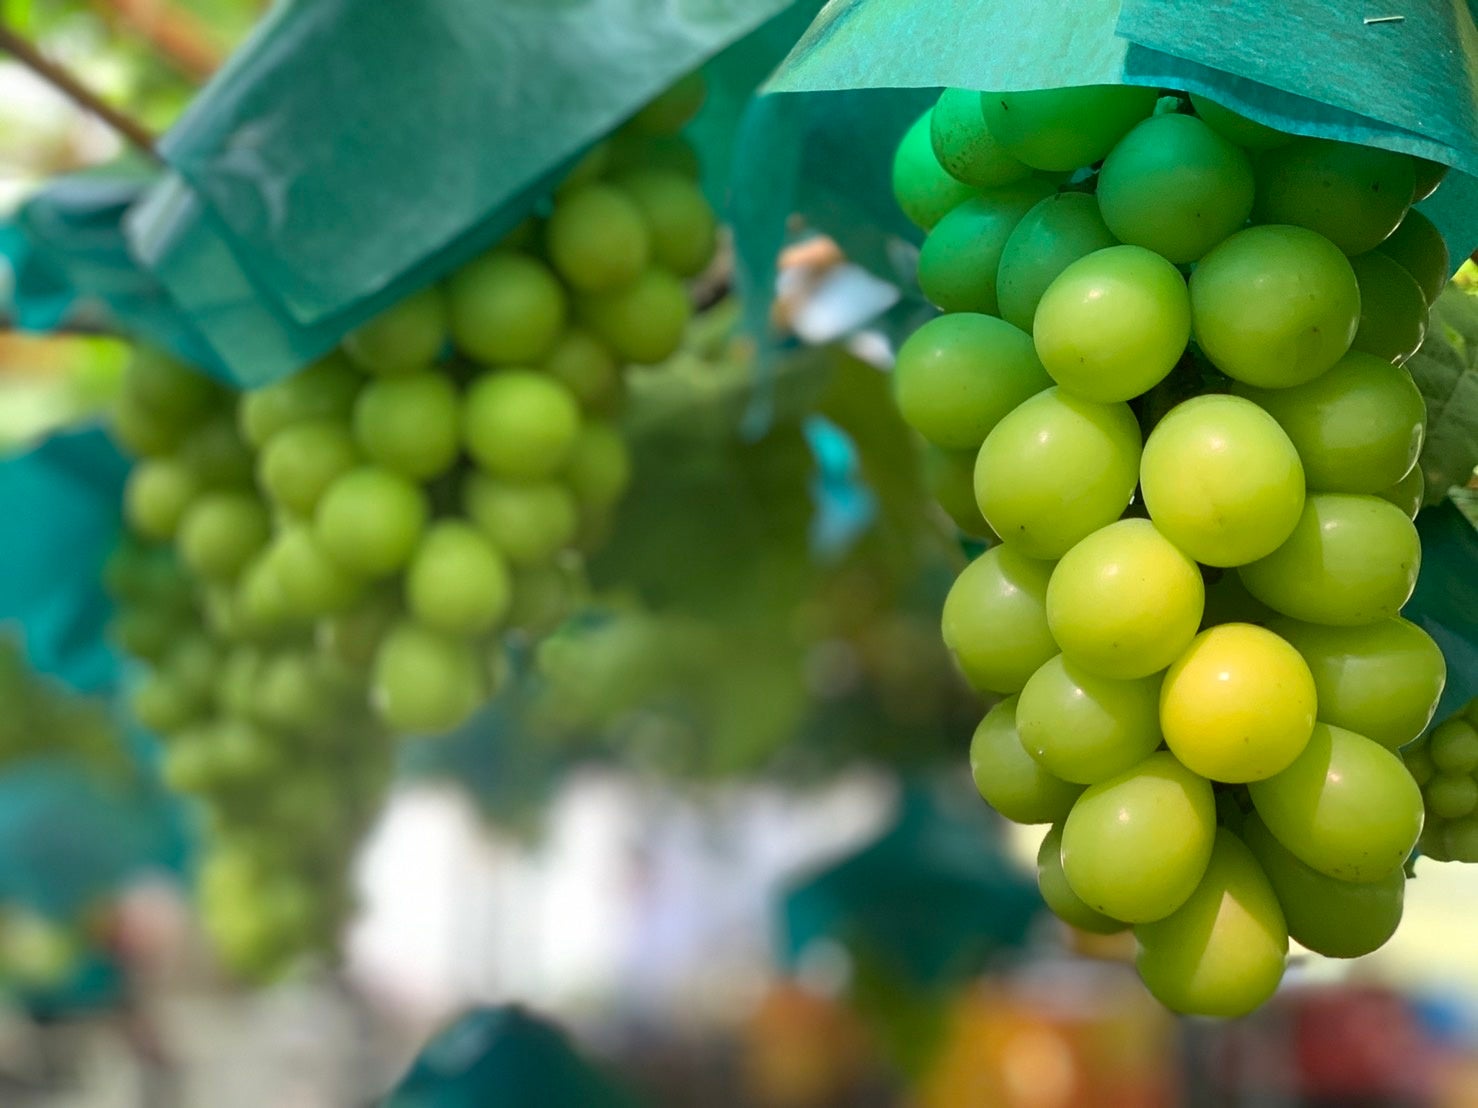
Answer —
1445 764
335 558
1168 388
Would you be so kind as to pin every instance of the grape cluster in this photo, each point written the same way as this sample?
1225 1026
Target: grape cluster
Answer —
1168 388
334 559
1445 764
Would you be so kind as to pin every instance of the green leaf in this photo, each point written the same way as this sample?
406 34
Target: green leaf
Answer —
1446 370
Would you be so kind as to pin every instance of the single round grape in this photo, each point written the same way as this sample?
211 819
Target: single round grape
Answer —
1238 705
174 391
1064 128
221 532
995 620
1113 324
505 308
1350 560
1222 480
597 238
672 109
260 607
1007 777
411 424
587 368
1352 195
1346 806
1338 919
456 581
921 187
158 493
294 694
1409 493
402 339
964 146
1175 186
1124 602
216 454
424 682
1451 797
1085 728
599 470
1065 904
1235 127
161 705
1135 847
520 424
324 390
1055 470
1381 680
1223 952
300 461
1453 745
313 585
1057 231
1274 306
949 476
962 254
1393 311
141 431
1419 248
959 375
369 521
681 225
194 663
529 521
643 322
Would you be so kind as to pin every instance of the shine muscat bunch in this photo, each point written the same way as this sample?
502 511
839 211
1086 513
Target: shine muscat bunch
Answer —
1168 389
336 558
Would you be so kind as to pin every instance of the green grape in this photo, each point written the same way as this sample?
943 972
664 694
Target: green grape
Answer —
1453 746
1064 128
961 255
424 682
1451 797
216 454
1460 839
411 423
682 226
1065 904
528 521
520 424
964 145
1418 761
1393 311
959 375
312 583
1008 778
1238 705
1358 428
921 187
141 432
1221 953
1428 175
597 239
1433 843
1346 806
402 339
353 636
158 493
293 694
1274 306
671 110
1247 133
300 461
1409 493
1113 324
1085 728
995 620
1352 195
221 532
587 368
1057 231
239 671
1124 602
950 478
324 390
1419 248
370 520
260 607
457 582
193 663
505 308
1350 560
599 470
1055 470
172 390
1338 919
1135 846
161 705
643 322
1381 680
1175 186
1222 480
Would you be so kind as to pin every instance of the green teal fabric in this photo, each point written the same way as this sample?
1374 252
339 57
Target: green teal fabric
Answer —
1445 603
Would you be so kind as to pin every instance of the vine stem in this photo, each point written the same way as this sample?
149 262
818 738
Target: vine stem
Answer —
24 52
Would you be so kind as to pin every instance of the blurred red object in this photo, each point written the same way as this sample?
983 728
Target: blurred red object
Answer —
1360 1041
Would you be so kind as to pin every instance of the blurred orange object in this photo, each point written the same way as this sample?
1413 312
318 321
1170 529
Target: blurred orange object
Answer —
802 1050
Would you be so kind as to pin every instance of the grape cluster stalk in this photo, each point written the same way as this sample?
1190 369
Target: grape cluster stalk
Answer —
1167 391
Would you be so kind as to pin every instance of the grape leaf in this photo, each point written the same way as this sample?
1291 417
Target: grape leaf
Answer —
1446 371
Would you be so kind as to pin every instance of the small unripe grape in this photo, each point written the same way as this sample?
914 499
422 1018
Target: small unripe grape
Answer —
528 521
456 581
404 338
411 423
643 322
369 521
221 532
520 424
597 238
300 461
158 493
506 308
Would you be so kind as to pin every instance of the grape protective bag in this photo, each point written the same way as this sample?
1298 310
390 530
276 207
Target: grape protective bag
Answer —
352 152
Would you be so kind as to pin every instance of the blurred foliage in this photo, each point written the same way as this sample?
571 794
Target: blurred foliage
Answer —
1446 370
51 382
